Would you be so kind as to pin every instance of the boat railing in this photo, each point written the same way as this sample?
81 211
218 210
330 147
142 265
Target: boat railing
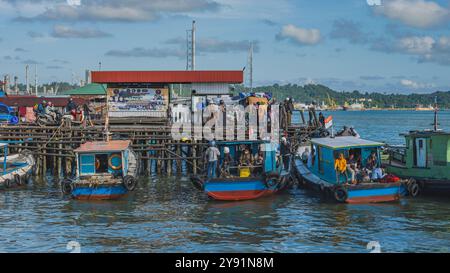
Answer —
396 154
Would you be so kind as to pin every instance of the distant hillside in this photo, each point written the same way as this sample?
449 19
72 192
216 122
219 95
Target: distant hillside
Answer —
319 93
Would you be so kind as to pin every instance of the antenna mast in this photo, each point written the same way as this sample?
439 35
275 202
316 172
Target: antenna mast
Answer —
250 67
435 114
190 47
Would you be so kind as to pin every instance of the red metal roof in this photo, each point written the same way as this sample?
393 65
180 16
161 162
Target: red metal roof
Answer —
235 77
103 146
30 101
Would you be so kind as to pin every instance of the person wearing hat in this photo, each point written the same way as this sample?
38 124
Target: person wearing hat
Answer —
226 163
246 158
212 156
71 105
285 150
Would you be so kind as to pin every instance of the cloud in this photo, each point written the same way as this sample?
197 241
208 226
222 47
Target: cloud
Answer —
348 30
30 61
147 52
269 22
19 49
60 61
213 45
115 10
7 58
54 67
371 78
34 34
414 13
60 31
300 36
415 85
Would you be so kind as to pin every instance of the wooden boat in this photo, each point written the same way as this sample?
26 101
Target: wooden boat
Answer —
321 174
425 158
246 183
105 170
15 170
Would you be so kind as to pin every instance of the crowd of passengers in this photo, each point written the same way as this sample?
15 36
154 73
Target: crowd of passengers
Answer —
351 168
246 159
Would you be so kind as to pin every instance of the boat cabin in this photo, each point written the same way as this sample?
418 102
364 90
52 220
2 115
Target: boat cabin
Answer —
324 152
103 158
262 154
427 154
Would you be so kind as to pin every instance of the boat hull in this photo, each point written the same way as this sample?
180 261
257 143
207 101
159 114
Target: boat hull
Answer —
237 189
99 192
19 171
351 194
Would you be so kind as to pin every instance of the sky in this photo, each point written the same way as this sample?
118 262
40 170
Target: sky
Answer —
392 46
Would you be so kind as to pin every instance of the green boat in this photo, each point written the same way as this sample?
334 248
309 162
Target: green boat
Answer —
425 158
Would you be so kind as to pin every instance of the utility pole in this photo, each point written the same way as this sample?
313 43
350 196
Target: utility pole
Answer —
35 80
27 84
435 114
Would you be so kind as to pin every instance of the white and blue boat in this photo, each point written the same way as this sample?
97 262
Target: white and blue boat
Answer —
106 170
246 182
16 169
319 173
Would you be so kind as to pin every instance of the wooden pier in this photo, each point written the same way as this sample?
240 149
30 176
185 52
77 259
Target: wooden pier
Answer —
159 153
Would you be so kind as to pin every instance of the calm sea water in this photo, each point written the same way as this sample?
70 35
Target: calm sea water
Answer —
168 215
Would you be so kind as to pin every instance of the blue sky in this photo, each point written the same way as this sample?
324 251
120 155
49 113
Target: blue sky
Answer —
385 46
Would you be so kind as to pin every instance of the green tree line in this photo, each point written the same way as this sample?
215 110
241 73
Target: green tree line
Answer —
319 93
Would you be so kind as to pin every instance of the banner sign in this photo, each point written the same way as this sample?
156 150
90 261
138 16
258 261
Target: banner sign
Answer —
138 102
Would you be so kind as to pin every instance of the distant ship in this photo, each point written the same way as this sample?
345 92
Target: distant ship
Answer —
353 107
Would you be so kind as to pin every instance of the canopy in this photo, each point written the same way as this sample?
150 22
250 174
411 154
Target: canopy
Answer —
345 142
103 146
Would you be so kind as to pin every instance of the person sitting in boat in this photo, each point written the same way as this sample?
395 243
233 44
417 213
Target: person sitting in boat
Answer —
352 167
259 161
212 155
340 165
377 174
372 161
246 158
226 163
363 176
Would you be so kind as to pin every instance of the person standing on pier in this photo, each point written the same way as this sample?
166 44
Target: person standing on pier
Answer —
322 120
71 105
212 156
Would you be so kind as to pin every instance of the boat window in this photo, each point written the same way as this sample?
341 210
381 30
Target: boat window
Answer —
101 163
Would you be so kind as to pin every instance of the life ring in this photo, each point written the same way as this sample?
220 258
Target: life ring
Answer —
341 195
413 188
110 162
272 180
66 187
17 179
129 182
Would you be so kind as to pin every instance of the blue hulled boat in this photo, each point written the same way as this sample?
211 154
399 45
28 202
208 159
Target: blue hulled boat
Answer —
245 182
105 170
15 170
318 172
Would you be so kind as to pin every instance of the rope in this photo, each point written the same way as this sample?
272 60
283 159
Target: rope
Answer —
53 136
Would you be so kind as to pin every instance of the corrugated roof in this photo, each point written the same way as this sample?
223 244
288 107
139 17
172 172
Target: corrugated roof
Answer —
344 142
235 77
89 89
30 101
103 146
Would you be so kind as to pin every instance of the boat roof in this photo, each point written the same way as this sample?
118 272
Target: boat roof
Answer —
344 142
427 133
103 146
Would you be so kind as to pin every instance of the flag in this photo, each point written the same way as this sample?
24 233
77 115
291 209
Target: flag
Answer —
329 122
